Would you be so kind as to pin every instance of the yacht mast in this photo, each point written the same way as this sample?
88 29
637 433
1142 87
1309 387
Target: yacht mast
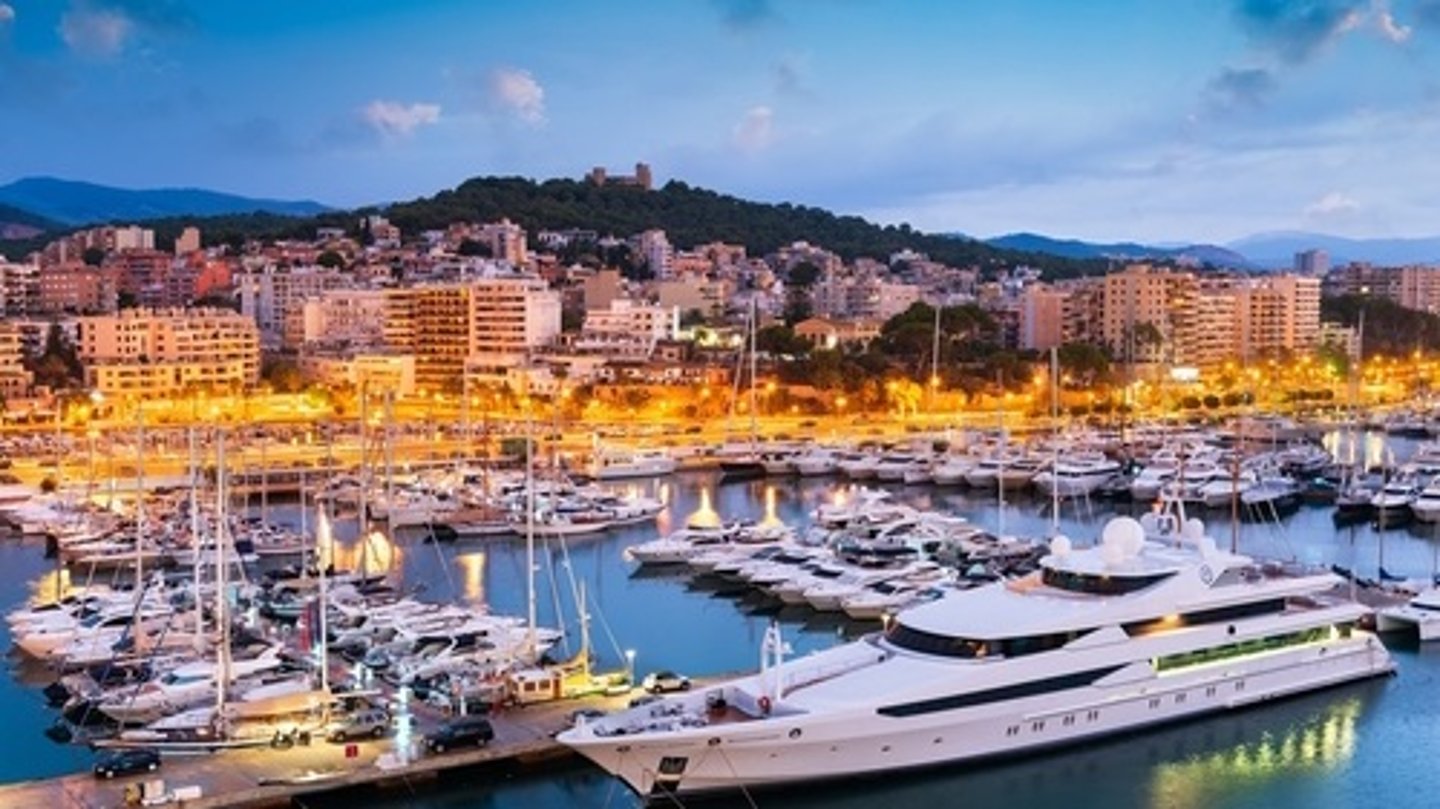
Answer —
531 642
323 538
1000 456
1055 437
195 541
754 350
364 519
139 522
222 563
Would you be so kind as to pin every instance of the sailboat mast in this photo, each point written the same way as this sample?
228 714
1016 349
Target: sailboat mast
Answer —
364 519
1000 456
1055 437
195 541
754 350
323 531
934 381
139 522
531 641
222 563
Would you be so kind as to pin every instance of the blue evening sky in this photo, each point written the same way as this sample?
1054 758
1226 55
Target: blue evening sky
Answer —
1159 120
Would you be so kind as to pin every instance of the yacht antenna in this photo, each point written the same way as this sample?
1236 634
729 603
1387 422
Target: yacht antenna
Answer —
1000 456
139 521
531 642
195 541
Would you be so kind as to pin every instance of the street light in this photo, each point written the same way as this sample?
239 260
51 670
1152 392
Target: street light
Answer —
630 666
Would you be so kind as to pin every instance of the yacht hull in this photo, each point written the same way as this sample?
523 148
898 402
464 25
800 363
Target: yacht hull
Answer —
784 749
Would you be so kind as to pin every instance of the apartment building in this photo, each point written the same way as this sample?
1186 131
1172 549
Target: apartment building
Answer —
444 325
630 321
145 352
274 295
15 381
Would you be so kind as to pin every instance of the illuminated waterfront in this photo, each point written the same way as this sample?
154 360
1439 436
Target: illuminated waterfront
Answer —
1315 751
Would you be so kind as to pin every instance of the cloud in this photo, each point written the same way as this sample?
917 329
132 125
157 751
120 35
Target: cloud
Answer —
1331 205
744 15
1234 89
1297 30
7 13
96 32
1387 25
517 92
394 119
756 130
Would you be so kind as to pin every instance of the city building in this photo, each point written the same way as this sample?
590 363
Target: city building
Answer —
188 241
273 295
145 352
654 250
1314 263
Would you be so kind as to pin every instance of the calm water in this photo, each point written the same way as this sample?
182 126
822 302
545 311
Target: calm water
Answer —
1362 745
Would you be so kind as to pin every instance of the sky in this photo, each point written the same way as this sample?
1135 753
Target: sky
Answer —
1151 120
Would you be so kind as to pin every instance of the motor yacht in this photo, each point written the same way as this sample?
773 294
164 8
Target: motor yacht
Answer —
1077 474
1098 641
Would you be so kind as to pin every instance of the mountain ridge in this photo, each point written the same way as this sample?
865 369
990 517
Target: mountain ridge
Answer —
73 203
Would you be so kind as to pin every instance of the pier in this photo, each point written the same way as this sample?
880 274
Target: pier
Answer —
266 777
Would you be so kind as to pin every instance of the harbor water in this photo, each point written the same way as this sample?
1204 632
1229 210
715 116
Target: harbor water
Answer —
1368 744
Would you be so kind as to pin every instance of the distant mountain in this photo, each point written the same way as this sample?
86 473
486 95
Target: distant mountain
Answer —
1076 249
1279 249
18 224
75 203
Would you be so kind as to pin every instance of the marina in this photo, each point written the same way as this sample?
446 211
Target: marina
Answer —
735 619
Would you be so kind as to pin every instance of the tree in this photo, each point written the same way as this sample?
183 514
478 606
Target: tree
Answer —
571 320
282 374
58 365
1085 363
330 259
93 256
472 248
781 341
804 275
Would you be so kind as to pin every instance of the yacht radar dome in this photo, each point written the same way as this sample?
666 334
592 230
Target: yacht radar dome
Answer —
1060 546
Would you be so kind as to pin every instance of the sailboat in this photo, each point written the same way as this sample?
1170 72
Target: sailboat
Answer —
747 464
238 717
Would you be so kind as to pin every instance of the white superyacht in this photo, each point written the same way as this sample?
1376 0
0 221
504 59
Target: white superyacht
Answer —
1101 640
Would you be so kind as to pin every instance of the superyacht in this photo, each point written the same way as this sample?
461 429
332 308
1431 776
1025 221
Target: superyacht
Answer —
1153 624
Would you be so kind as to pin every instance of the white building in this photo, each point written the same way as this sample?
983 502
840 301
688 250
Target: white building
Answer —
654 247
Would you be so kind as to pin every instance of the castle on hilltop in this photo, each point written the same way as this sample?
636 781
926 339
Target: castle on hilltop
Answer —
641 178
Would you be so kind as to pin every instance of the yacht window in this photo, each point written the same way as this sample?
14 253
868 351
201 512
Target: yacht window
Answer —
916 640
1244 648
1097 584
1212 616
1000 694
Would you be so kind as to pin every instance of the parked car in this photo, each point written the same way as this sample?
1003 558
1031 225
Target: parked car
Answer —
662 682
127 762
465 730
372 722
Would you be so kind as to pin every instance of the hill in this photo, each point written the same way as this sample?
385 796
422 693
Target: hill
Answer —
19 224
1076 249
1279 249
76 203
692 216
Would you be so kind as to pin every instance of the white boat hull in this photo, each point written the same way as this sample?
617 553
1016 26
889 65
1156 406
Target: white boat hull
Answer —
784 749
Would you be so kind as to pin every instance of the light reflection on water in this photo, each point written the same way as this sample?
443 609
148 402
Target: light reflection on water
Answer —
1309 748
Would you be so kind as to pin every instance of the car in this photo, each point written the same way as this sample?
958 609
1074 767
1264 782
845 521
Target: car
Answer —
662 682
465 730
127 762
373 722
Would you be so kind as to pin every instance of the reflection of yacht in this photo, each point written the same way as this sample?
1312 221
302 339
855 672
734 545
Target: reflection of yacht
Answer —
1104 640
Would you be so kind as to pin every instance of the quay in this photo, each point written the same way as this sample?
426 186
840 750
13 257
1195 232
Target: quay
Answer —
265 777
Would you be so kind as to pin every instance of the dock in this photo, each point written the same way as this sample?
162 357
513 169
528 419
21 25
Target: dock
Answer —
262 778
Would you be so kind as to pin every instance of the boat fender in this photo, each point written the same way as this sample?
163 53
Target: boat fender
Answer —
764 703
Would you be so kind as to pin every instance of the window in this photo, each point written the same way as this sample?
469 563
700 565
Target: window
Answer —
917 640
999 694
1242 649
1099 584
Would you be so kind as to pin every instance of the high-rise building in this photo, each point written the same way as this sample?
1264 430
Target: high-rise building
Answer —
654 248
506 241
188 241
1315 263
